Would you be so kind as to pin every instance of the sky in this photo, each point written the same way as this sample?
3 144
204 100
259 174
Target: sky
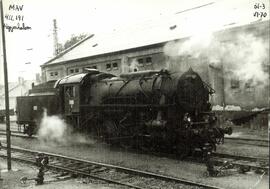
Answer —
28 49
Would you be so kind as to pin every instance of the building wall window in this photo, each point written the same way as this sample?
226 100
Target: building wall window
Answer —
108 66
235 83
148 60
115 65
54 74
144 61
140 60
75 70
249 85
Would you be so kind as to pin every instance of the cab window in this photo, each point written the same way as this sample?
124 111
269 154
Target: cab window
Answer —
70 91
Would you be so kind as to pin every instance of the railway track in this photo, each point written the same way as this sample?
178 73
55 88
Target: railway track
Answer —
246 163
255 142
126 177
18 134
256 164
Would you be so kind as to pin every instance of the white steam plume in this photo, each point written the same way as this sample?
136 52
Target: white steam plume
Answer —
244 57
134 66
54 131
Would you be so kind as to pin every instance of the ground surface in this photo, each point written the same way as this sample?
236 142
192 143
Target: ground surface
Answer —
88 149
231 147
11 179
250 133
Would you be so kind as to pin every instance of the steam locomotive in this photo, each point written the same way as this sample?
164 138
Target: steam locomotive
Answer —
154 109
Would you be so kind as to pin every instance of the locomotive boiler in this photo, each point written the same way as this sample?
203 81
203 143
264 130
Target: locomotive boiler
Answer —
155 110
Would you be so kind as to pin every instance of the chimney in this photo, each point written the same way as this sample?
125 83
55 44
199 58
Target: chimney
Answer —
20 80
38 78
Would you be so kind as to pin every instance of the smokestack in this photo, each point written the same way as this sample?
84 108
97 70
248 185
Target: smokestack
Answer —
38 78
20 80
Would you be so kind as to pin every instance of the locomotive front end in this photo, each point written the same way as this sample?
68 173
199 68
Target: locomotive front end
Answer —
199 124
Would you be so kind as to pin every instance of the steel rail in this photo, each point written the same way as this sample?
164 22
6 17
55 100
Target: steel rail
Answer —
230 157
109 166
19 134
234 160
239 157
246 139
28 159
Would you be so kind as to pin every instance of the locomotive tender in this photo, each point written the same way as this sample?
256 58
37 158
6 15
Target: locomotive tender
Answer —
30 109
157 110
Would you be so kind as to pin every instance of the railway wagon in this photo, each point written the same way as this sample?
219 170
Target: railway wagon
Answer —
3 114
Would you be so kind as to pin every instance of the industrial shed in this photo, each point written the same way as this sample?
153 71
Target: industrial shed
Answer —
145 48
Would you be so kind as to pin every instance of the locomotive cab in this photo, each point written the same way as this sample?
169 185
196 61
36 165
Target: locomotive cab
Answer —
73 90
70 91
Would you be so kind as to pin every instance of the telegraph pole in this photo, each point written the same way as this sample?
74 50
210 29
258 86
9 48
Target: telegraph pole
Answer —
223 86
55 38
6 87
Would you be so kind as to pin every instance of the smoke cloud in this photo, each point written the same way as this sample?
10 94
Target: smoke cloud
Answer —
244 57
55 131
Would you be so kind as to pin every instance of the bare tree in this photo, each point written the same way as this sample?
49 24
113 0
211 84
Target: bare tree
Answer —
73 40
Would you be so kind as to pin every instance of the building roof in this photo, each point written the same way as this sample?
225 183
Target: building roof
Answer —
16 88
179 25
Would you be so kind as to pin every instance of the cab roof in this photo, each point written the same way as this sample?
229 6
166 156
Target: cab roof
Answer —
92 74
71 79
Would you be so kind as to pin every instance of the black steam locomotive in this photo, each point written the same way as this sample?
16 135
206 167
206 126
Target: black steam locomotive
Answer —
153 109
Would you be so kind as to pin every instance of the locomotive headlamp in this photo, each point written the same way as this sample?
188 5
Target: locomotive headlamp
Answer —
187 117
